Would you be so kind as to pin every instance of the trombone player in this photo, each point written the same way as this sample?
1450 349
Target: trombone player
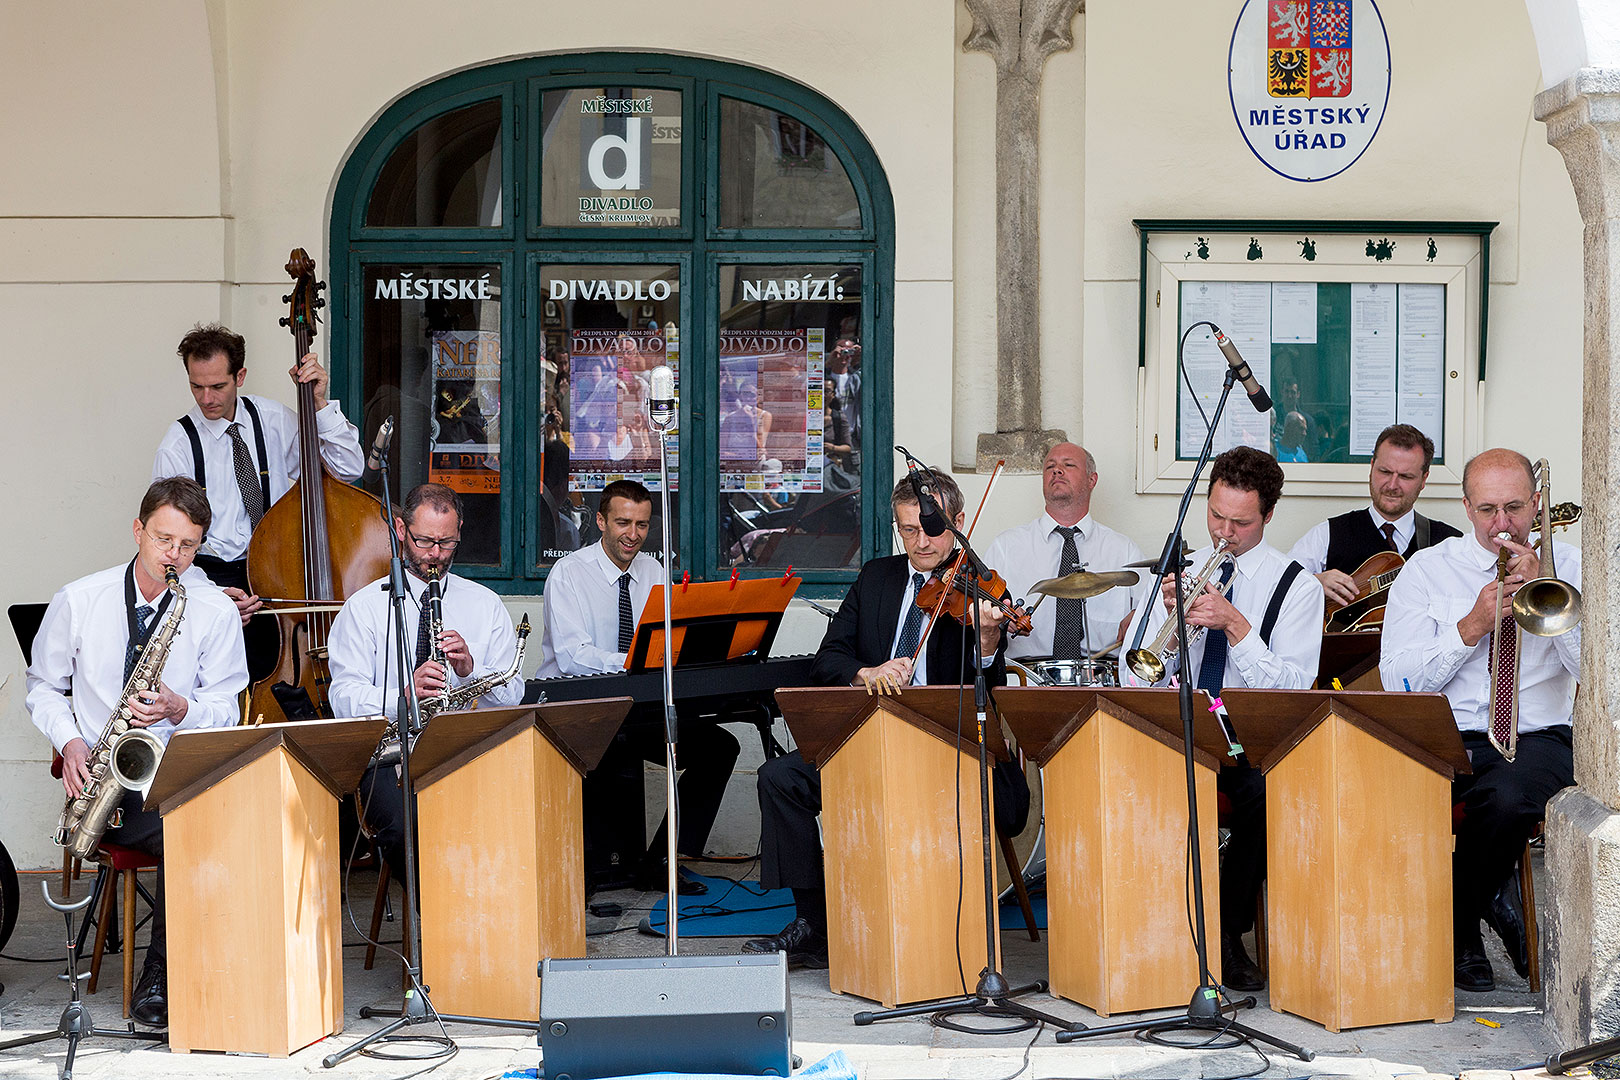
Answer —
1450 621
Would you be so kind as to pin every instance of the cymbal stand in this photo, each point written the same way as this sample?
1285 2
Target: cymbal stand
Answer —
76 1023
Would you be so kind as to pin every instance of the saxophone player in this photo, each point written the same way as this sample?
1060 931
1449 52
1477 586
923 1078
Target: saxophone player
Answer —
1261 620
87 647
476 639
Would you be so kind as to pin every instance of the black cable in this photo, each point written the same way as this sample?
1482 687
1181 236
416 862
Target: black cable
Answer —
956 800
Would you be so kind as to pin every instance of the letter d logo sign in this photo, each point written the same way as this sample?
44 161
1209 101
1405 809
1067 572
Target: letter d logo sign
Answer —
628 144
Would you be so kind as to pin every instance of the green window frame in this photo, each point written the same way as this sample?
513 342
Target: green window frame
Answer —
699 246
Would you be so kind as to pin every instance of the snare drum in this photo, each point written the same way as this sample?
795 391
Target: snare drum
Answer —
1097 671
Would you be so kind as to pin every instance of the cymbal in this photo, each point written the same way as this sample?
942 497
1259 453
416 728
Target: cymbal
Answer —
1151 563
1083 584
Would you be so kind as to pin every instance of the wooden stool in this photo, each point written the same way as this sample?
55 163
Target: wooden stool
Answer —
384 876
112 863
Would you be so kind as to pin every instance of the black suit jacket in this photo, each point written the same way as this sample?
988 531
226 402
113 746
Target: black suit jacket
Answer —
863 631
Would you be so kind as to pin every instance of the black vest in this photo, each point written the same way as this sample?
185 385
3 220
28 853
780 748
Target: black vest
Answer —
1353 539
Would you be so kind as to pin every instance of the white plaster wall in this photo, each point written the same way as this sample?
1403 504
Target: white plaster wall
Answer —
1458 142
163 158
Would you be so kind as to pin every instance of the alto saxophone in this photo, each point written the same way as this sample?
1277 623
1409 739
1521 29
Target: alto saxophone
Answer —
459 698
125 758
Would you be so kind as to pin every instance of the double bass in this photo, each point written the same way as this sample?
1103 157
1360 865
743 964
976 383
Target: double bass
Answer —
322 541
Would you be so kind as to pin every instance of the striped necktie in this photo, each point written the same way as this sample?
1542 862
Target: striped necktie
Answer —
246 478
627 618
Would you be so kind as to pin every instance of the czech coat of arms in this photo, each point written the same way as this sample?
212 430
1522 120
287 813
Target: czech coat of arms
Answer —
1308 48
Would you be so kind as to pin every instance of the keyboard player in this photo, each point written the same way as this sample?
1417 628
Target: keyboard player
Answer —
593 598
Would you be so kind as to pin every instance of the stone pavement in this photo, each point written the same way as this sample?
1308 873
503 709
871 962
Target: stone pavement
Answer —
913 1048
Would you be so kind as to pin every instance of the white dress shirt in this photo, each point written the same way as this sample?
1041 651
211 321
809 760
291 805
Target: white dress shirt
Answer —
229 534
1421 646
581 617
1296 641
80 650
1312 549
360 648
1033 552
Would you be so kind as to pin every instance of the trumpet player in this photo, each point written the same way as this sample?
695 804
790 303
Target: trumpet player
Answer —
88 645
1258 623
1449 611
476 639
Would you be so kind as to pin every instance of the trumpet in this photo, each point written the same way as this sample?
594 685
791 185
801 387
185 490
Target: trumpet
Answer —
1148 662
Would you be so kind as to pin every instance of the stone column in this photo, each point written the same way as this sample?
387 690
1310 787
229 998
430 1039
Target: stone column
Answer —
1019 35
1582 973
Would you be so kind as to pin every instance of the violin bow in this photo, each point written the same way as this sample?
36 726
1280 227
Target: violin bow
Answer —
949 577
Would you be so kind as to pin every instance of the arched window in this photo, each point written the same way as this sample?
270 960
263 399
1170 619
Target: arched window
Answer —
516 247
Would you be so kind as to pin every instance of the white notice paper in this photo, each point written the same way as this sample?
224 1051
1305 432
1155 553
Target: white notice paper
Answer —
1422 358
1293 313
1372 363
1242 309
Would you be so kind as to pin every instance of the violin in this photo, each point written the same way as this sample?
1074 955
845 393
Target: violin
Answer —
955 589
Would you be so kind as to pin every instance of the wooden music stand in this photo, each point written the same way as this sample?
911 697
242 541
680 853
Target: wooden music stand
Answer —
1358 850
711 621
250 845
500 837
893 769
1114 785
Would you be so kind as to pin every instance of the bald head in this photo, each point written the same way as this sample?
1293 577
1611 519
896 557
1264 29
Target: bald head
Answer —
1498 458
1068 476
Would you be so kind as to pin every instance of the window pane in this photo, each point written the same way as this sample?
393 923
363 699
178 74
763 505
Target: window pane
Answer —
610 157
790 415
776 172
447 173
431 341
606 328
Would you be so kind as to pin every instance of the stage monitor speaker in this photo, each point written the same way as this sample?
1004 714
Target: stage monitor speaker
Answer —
683 1014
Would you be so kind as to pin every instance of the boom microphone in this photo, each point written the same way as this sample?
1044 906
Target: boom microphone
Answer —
379 446
1257 393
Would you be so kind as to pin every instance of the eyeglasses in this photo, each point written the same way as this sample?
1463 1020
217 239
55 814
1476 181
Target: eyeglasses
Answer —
908 533
173 543
423 543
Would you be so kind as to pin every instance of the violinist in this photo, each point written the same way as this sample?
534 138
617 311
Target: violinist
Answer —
870 642
243 450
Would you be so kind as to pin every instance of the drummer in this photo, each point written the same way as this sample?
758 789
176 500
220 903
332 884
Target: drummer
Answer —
1063 540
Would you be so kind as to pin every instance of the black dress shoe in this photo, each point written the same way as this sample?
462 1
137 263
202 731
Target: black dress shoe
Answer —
1506 917
804 947
1473 970
1238 972
151 1003
656 879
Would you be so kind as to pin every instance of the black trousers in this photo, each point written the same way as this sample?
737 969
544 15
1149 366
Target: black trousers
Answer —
789 842
382 808
142 830
1502 801
705 753
1243 867
262 639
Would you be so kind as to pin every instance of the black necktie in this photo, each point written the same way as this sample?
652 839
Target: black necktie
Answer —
246 478
627 618
424 644
1212 672
142 613
1069 629
1389 536
911 633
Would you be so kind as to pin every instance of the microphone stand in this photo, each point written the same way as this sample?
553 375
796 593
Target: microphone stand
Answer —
671 916
417 1007
1204 1012
993 995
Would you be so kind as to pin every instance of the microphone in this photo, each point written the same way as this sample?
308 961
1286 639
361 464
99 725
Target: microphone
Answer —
379 446
661 397
1257 393
928 512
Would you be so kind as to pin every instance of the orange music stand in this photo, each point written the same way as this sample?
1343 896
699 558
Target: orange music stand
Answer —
712 621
